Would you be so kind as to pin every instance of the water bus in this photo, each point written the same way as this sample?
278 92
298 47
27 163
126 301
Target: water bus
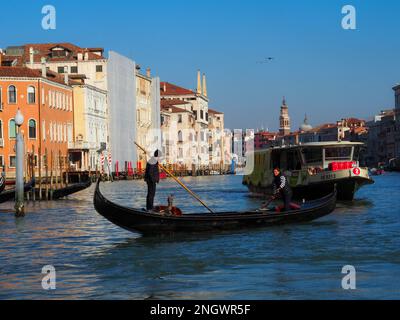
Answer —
312 169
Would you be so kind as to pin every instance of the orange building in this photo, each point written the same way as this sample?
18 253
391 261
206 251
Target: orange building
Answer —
46 102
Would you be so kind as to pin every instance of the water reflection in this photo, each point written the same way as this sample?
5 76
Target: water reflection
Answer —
95 259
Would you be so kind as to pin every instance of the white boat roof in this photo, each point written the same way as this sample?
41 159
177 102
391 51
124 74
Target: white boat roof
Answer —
318 144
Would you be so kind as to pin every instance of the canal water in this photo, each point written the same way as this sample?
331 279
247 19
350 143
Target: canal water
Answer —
94 259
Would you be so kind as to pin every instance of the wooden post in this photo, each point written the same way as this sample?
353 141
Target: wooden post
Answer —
46 163
33 172
51 174
66 170
60 168
40 173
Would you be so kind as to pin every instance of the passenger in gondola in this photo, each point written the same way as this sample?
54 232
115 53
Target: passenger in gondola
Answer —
281 188
152 177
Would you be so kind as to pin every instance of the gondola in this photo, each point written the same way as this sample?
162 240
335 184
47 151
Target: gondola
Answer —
2 183
146 223
10 194
73 188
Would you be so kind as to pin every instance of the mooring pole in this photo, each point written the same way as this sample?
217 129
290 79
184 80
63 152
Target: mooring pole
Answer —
19 176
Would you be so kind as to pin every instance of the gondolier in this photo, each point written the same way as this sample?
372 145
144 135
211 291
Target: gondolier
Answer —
281 188
152 177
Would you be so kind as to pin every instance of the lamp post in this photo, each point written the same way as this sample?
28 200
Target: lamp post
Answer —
19 180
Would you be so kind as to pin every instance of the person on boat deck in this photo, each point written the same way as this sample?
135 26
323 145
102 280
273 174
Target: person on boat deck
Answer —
281 187
152 177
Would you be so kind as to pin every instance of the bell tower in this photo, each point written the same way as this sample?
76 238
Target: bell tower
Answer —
284 119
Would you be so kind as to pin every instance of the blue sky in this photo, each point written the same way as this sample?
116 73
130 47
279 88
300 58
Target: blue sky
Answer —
322 69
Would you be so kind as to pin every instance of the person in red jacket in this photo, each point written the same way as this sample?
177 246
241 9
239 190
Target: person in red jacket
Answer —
152 177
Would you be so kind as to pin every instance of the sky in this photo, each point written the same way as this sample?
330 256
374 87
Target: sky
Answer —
323 70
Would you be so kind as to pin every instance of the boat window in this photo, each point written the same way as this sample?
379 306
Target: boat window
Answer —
293 160
312 155
275 159
356 154
342 153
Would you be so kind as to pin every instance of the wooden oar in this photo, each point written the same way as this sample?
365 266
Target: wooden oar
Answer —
177 180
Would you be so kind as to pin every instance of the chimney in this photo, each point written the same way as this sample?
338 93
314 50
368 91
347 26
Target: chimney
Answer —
148 72
66 78
44 70
165 87
204 85
198 82
31 53
80 56
86 56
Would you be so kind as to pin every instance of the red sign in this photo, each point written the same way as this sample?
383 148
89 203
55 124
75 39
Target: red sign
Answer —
356 171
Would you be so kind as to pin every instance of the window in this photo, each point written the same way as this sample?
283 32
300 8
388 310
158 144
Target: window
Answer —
99 68
180 138
12 129
61 69
31 95
1 129
201 114
32 129
312 155
1 160
12 94
343 153
1 93
44 130
13 161
179 118
74 69
195 114
206 116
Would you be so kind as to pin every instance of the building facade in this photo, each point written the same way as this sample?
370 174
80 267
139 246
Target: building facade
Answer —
199 102
90 127
46 102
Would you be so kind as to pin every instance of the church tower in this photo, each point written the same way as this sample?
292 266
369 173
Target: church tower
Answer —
284 119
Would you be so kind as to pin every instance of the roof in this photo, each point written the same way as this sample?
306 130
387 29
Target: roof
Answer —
23 72
43 50
174 109
214 111
317 144
174 90
173 102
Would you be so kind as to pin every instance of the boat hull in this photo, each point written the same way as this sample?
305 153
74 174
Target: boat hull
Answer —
346 189
150 224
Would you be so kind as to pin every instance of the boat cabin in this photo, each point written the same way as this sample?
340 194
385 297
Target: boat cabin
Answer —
318 156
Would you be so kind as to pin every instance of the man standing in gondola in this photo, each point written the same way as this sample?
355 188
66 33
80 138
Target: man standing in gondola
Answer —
281 188
152 177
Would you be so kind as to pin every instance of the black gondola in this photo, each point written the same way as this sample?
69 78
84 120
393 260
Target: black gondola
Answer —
2 183
9 195
146 223
71 189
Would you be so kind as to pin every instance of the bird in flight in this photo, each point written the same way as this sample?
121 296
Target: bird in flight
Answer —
268 59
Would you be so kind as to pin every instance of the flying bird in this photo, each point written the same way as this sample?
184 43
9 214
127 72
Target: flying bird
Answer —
268 59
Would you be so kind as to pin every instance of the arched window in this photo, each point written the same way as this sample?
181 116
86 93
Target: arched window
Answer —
31 95
180 138
12 94
32 129
12 129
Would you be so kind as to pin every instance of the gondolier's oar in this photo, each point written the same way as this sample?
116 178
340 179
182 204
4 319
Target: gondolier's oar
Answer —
177 180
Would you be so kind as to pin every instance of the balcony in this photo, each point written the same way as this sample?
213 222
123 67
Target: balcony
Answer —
79 145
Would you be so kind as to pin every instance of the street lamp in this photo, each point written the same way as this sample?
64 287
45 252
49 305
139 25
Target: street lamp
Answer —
19 176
